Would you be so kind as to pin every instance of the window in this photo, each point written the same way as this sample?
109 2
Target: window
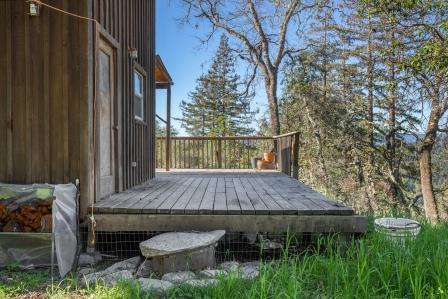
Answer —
139 98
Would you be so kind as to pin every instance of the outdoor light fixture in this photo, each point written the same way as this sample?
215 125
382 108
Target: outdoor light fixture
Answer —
34 9
133 53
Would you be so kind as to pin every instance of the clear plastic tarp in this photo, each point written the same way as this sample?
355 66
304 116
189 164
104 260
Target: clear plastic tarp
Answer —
34 249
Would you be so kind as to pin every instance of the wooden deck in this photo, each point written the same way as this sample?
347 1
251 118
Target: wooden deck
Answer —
232 200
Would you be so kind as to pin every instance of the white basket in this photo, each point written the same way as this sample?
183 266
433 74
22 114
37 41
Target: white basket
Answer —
398 229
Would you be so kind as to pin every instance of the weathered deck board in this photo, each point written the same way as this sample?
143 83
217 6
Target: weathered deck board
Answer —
273 207
179 206
222 193
258 204
196 199
151 206
142 196
206 206
168 203
233 205
209 198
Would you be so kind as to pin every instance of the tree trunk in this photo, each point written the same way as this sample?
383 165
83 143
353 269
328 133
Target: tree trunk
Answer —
391 143
320 154
271 92
371 192
429 200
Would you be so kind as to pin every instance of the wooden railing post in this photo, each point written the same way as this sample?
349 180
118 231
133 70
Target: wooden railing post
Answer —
219 154
168 129
287 147
295 155
226 151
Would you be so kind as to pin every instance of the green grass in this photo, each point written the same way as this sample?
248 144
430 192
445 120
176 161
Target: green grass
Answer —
371 267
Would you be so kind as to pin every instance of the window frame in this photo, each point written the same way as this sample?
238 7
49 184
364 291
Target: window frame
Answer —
141 74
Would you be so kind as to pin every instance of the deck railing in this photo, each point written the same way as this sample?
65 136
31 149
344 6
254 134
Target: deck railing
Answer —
235 152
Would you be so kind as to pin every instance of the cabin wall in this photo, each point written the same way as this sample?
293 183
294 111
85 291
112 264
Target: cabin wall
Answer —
45 95
131 24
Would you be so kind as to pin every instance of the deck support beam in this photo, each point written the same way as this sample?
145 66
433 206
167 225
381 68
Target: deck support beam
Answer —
232 223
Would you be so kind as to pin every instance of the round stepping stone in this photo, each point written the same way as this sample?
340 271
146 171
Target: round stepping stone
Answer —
173 243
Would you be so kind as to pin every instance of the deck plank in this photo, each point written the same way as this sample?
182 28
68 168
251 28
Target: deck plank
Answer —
206 206
107 205
181 203
222 193
168 203
195 202
245 203
317 202
220 203
144 195
273 207
152 205
164 183
233 204
232 200
302 205
260 207
138 207
221 185
290 190
286 206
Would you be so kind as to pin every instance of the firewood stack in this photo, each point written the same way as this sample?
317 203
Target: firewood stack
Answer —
26 215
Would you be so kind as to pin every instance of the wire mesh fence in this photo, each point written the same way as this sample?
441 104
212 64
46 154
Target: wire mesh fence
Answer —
234 246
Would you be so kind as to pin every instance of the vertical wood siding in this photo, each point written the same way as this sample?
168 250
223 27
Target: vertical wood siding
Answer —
131 24
44 94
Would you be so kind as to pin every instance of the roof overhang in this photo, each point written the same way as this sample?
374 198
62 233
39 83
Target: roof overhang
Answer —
163 78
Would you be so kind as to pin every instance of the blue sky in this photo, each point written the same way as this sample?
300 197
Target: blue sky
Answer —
183 55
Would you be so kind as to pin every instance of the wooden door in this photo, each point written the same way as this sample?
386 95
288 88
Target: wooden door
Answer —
105 120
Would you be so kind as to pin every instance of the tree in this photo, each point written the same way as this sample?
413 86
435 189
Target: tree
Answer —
348 93
161 129
425 24
261 29
218 106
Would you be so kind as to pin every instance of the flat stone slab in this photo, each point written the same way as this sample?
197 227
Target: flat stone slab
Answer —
194 260
144 270
156 285
108 278
231 266
174 243
201 283
179 277
249 272
129 264
212 273
85 271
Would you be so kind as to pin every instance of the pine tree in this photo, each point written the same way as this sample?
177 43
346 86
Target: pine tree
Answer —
217 106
